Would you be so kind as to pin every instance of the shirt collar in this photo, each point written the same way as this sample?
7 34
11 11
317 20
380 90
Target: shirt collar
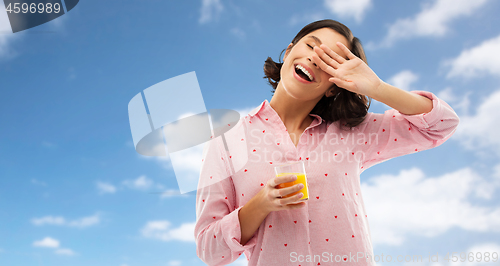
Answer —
266 106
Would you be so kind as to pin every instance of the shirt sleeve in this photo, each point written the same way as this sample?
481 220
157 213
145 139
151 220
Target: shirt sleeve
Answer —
217 230
394 134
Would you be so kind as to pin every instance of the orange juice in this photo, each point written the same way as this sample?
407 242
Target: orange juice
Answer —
301 178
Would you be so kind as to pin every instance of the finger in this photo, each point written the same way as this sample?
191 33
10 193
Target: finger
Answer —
330 60
292 199
332 54
346 50
325 67
289 190
295 205
341 83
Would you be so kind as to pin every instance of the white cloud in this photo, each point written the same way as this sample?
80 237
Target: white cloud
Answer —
85 221
61 221
65 251
47 242
161 230
171 193
306 18
449 96
175 263
476 61
241 261
104 187
36 182
210 9
479 132
403 80
355 9
239 33
141 183
432 21
413 204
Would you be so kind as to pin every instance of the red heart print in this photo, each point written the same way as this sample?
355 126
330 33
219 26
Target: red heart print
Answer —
393 116
415 149
378 152
253 150
374 120
242 194
230 156
263 131
309 220
317 197
335 216
300 158
352 235
278 143
267 119
383 130
285 245
326 174
356 215
395 139
203 200
295 221
210 177
250 122
261 184
327 240
246 170
312 134
228 124
214 236
342 194
241 139
213 217
441 120
270 226
271 162
345 173
307 158
409 128
352 153
225 198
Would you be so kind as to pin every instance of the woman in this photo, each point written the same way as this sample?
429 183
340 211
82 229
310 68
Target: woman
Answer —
318 114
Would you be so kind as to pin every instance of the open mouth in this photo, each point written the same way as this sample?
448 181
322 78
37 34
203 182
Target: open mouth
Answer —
303 73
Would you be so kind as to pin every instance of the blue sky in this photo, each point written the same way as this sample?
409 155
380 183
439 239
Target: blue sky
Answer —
73 190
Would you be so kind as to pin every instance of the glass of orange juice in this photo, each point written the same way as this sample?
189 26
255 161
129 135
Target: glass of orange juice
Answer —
295 168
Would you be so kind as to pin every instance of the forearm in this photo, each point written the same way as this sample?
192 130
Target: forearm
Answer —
250 216
405 102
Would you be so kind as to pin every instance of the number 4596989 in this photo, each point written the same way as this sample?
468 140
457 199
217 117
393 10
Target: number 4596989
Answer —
471 256
34 8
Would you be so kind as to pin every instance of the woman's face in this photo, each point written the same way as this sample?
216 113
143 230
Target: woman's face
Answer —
296 83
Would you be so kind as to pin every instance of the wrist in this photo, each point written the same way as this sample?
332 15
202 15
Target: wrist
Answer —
377 92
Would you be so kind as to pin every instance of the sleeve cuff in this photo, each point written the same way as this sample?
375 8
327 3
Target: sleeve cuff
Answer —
425 120
231 231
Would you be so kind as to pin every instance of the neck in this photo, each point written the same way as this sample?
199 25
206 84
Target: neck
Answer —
294 113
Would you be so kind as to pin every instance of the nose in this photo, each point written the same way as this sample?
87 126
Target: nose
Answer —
312 61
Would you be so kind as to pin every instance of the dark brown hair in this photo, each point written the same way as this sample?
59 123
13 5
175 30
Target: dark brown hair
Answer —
347 107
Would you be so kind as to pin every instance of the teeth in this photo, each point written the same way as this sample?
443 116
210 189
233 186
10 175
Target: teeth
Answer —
305 71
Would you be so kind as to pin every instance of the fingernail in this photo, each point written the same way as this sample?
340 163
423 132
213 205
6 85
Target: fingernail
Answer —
300 195
301 185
